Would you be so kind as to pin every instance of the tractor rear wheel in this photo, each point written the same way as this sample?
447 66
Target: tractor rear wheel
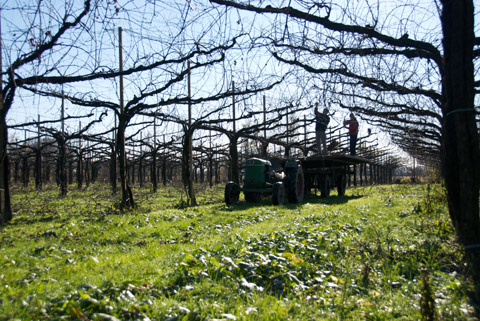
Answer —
295 185
278 193
232 193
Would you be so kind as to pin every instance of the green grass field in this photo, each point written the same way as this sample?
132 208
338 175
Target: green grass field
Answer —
378 253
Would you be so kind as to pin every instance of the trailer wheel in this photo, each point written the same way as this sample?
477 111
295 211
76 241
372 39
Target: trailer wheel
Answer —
341 184
324 186
278 193
232 193
253 197
295 185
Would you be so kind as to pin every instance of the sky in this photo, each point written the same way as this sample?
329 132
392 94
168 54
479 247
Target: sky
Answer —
152 29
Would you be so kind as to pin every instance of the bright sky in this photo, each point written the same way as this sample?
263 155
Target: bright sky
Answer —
154 29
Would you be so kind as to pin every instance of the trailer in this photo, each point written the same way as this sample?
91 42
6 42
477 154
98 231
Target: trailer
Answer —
328 172
291 179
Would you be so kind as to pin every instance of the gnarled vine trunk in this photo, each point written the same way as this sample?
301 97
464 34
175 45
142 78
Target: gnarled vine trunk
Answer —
5 207
461 153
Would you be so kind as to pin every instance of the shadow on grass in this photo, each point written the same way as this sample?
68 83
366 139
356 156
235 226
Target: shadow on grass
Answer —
310 198
332 200
33 219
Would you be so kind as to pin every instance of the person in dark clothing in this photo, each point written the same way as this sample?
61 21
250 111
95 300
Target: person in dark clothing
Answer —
321 120
352 124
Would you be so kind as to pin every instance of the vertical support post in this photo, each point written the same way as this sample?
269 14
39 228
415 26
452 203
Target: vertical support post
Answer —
288 126
414 169
232 173
305 134
63 159
233 107
190 138
120 61
210 154
154 156
38 132
38 158
62 116
120 139
79 161
265 117
164 163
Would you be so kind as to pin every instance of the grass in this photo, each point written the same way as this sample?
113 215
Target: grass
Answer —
377 253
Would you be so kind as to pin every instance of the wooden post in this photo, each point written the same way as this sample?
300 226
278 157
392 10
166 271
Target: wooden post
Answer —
38 158
80 160
305 133
288 126
122 160
210 165
63 159
153 171
265 117
190 140
233 107
120 61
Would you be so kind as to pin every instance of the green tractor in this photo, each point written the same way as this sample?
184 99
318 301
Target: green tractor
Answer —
261 179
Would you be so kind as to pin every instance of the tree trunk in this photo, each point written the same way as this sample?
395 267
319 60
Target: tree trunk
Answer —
25 171
154 171
48 169
38 168
217 172
264 148
287 151
87 173
62 163
79 171
202 173
5 207
16 170
113 170
461 153
140 171
95 172
210 170
234 160
187 177
164 171
70 172
127 195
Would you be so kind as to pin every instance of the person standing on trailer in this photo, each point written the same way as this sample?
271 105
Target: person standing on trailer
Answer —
352 124
321 120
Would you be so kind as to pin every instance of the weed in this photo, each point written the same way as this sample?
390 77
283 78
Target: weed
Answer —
427 299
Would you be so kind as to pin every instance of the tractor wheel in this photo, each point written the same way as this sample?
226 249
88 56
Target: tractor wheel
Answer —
232 193
278 193
253 197
324 186
295 185
341 184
